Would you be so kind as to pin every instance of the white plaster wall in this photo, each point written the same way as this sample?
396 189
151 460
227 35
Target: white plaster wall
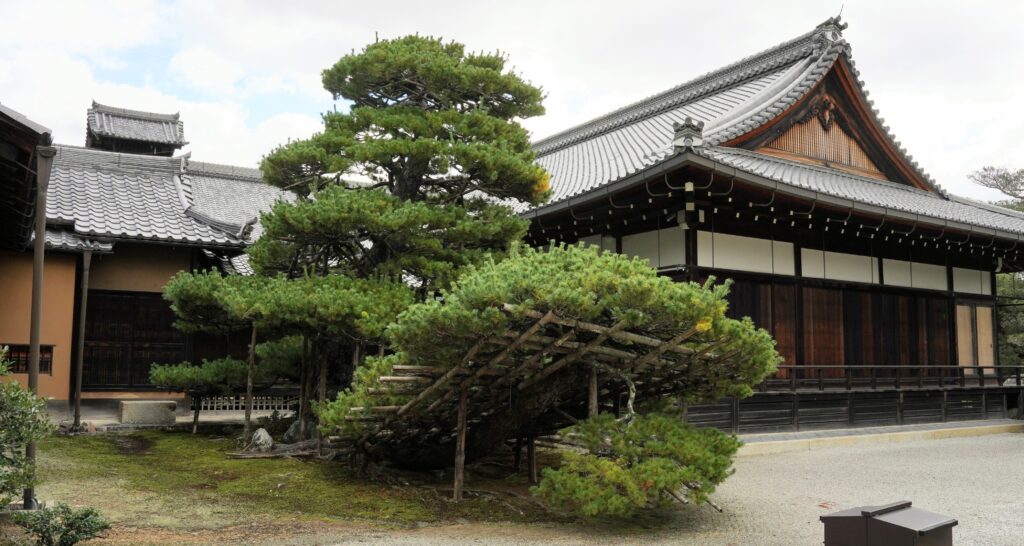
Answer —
929 276
661 248
971 281
724 251
604 242
838 266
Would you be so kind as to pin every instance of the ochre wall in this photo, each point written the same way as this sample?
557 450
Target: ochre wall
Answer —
138 268
58 313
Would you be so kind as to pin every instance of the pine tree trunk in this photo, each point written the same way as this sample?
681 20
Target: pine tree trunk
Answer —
302 387
197 403
247 434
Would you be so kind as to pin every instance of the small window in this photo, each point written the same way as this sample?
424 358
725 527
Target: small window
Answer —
18 355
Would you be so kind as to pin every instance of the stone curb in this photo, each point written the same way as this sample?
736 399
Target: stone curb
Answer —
809 444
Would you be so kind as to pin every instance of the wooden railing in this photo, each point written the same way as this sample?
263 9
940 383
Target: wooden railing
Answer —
890 377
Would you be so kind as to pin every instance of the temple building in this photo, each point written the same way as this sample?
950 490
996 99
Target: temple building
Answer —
777 172
123 215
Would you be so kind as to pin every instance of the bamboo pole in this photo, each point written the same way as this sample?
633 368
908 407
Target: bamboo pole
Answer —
460 448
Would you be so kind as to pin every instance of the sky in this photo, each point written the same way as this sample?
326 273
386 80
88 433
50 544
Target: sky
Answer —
245 76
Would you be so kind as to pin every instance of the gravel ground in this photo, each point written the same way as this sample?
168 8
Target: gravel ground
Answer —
777 499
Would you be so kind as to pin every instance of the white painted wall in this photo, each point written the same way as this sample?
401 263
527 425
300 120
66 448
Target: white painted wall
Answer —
914 274
724 251
661 248
972 281
604 242
839 266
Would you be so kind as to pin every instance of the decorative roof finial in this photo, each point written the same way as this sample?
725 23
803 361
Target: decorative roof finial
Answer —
688 134
832 29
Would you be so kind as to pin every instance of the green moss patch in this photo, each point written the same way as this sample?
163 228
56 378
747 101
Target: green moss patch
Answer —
181 481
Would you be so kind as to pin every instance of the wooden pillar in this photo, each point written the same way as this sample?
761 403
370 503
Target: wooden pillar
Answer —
44 161
592 398
531 459
517 458
460 448
80 342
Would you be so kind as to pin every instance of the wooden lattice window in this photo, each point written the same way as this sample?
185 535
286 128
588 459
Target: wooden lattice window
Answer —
18 355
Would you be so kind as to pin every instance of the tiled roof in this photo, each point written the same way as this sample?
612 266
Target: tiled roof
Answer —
729 102
136 197
230 197
62 240
107 121
868 191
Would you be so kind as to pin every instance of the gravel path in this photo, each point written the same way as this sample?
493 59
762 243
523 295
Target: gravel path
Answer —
777 499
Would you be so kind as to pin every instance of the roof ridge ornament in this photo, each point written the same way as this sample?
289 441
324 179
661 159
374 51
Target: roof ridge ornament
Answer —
688 135
832 29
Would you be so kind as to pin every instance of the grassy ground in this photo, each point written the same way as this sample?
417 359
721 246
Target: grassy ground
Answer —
161 487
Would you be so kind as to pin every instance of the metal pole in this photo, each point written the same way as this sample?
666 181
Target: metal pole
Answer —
86 260
44 161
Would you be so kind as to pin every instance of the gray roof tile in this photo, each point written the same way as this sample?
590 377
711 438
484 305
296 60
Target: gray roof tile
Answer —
730 102
108 121
128 196
868 191
62 240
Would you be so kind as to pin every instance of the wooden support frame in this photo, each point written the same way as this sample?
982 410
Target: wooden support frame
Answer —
531 459
460 448
592 394
517 358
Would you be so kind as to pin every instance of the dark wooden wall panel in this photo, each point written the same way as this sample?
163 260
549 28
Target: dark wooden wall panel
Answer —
823 327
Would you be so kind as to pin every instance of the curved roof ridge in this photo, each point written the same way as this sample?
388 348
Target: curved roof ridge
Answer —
223 170
137 114
79 155
805 45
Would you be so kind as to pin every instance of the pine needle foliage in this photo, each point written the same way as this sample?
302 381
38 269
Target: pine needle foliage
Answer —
428 122
576 282
634 464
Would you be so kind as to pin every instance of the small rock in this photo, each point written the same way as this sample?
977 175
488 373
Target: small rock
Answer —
292 436
262 441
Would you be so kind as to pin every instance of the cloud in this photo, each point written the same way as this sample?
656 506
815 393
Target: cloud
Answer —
206 71
246 74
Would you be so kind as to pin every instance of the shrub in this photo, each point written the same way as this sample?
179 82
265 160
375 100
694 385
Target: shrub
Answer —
62 525
23 419
635 464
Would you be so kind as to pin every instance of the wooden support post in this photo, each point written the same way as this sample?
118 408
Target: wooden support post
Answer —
945 402
592 398
44 161
303 372
531 459
80 343
321 397
517 457
984 404
735 415
850 416
899 409
460 448
796 411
